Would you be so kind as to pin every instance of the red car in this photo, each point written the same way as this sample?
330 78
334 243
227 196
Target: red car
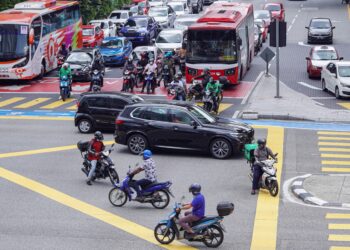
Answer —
92 36
318 58
276 9
263 28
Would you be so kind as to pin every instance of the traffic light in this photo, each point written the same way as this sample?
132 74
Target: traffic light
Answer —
282 33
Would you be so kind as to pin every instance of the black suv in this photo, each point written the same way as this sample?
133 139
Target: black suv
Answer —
99 110
83 61
180 125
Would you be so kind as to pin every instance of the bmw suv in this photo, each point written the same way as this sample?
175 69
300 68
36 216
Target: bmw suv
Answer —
179 125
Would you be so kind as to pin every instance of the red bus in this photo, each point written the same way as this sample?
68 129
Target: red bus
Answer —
223 41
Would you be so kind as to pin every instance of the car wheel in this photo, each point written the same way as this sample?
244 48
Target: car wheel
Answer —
85 126
337 93
323 85
137 143
220 149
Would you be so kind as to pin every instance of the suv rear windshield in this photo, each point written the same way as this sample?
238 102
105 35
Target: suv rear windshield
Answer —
151 113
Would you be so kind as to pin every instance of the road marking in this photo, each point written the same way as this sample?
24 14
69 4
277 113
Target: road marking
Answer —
32 103
309 86
339 248
334 149
332 133
74 107
344 104
47 118
10 101
43 150
340 163
348 10
333 138
303 44
87 209
266 217
337 170
235 115
339 237
337 216
326 143
342 156
57 104
222 107
338 226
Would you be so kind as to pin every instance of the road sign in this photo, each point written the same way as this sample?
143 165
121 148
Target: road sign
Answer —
267 55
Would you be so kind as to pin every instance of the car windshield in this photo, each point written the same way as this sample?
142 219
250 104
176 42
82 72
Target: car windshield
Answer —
112 44
211 46
261 15
139 22
202 115
169 38
324 55
320 24
118 15
13 41
273 7
103 25
158 12
88 32
344 71
79 57
178 7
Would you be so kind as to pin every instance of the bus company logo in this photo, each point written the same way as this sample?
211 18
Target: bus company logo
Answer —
19 72
50 51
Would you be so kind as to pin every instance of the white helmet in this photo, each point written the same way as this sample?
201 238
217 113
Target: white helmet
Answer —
65 65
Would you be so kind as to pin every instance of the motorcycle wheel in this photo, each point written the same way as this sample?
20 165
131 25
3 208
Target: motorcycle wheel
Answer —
273 188
214 236
163 234
160 199
63 95
117 197
113 176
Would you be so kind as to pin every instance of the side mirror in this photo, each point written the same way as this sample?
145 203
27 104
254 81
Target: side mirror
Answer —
306 27
341 58
333 75
194 124
333 27
31 37
307 58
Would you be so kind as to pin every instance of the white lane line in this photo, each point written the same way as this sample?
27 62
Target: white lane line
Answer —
303 44
318 103
309 86
235 115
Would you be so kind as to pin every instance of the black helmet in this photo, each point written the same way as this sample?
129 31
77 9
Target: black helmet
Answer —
195 188
99 136
262 142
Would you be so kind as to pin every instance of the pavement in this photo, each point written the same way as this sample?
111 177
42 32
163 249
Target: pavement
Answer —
291 105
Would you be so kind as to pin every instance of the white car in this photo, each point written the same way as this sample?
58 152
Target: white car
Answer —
178 7
152 51
108 27
165 16
182 22
153 3
263 15
335 78
119 17
169 40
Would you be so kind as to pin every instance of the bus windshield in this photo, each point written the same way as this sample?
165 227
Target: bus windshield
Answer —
211 46
13 41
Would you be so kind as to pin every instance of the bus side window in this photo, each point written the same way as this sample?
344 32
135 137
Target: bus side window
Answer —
47 24
36 26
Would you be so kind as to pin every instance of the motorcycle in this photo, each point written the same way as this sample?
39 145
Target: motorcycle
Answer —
60 61
139 76
149 81
178 93
166 75
96 82
209 230
195 90
208 102
268 179
64 87
182 61
105 166
127 81
157 193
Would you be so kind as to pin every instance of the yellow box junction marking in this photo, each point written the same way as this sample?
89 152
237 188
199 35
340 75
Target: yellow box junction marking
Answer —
339 226
333 133
32 103
341 156
337 170
10 101
341 163
339 237
57 104
334 149
337 216
339 248
344 104
266 217
90 210
332 138
326 143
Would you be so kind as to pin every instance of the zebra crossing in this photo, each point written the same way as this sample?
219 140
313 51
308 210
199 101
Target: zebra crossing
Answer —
334 148
42 103
339 230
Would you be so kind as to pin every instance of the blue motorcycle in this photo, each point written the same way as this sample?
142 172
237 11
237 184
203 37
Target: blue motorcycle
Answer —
149 82
157 193
208 230
64 87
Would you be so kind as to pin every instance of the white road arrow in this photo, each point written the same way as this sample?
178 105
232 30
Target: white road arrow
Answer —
309 86
303 44
14 87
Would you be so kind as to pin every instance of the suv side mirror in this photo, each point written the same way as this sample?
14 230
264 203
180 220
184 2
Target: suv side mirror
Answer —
194 124
341 58
306 27
307 58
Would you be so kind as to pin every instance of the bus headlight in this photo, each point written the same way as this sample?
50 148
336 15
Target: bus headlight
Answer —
229 72
21 64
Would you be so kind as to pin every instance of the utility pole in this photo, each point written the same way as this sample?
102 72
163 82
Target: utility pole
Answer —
277 59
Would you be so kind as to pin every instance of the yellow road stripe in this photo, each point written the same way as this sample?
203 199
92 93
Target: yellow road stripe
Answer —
47 118
326 143
337 216
339 248
340 163
74 107
338 170
266 217
333 138
342 156
332 133
339 237
57 104
334 149
32 103
222 107
44 150
90 210
339 226
344 104
10 101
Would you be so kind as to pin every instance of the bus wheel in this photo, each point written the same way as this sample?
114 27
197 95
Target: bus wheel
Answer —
241 74
42 70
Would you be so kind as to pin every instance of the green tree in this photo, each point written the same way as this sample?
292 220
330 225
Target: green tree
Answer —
8 4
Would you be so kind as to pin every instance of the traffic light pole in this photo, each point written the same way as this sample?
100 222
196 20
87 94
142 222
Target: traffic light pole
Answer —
277 60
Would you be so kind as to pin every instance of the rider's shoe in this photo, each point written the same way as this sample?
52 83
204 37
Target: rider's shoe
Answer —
89 183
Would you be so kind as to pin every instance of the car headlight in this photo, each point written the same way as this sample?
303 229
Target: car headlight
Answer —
344 84
86 69
143 33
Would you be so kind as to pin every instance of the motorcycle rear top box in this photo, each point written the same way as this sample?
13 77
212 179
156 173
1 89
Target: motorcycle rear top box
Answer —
249 151
83 146
225 208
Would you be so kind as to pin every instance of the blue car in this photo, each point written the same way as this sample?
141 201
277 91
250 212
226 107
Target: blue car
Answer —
140 29
115 50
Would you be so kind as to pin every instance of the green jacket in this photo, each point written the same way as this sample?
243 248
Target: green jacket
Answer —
213 87
65 72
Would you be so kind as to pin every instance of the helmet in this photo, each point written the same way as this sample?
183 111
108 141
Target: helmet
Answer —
206 70
65 65
130 60
179 75
63 45
261 142
195 188
147 154
168 54
98 136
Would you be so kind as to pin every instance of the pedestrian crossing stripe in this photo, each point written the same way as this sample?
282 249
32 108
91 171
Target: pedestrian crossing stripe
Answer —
344 104
337 216
32 103
10 101
339 237
340 156
57 104
332 133
74 107
332 138
336 170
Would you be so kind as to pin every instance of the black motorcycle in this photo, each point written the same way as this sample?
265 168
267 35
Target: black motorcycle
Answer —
96 81
166 76
195 91
208 102
105 166
178 93
139 76
182 62
128 81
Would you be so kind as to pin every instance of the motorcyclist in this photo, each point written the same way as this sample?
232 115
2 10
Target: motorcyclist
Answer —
96 146
182 55
101 80
63 51
262 153
168 60
214 88
65 70
205 76
178 83
130 66
149 167
198 209
151 67
144 59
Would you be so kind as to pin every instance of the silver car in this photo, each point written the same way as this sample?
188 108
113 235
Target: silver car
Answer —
169 40
182 22
263 15
165 16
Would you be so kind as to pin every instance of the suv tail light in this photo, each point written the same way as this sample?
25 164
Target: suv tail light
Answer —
78 104
119 122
